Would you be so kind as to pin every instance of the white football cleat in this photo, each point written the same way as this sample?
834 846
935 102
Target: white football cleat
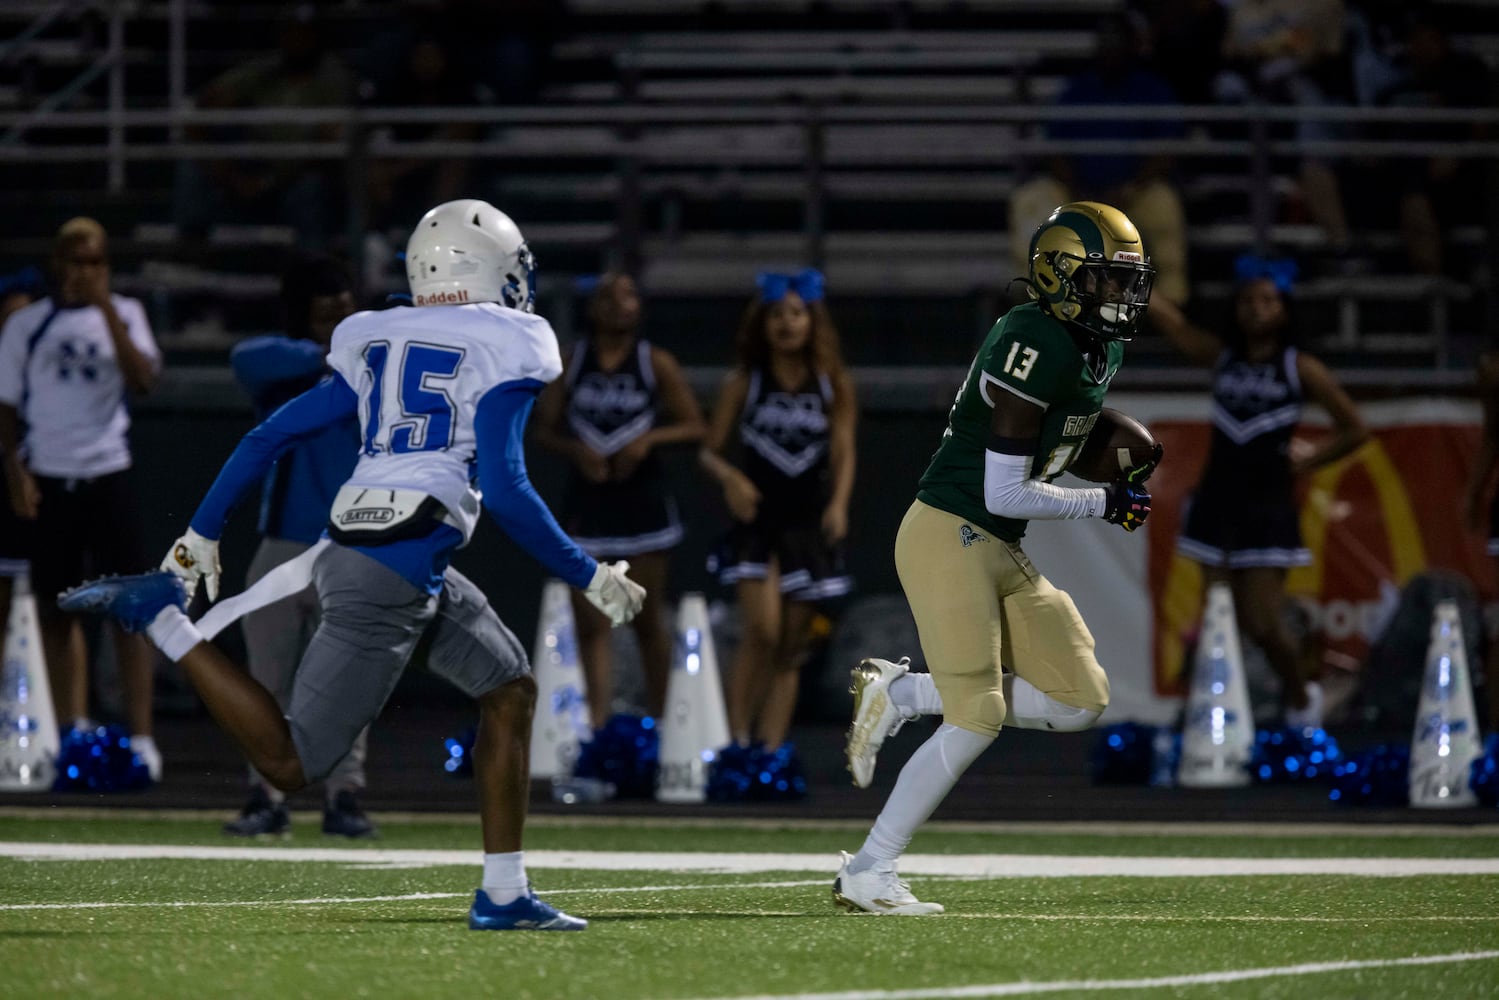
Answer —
876 717
877 890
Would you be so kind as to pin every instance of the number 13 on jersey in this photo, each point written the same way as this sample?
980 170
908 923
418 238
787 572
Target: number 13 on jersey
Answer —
1021 368
414 410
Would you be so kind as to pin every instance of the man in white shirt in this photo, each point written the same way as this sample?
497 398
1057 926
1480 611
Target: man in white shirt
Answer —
66 364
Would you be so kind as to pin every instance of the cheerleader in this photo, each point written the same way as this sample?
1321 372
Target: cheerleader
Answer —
1243 525
620 399
792 403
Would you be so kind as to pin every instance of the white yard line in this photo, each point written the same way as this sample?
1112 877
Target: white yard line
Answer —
1217 918
963 865
1155 982
1465 831
1070 918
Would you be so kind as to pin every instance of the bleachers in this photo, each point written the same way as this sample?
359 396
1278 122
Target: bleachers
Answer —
908 214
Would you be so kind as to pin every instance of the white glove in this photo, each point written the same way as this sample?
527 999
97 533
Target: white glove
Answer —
615 594
192 558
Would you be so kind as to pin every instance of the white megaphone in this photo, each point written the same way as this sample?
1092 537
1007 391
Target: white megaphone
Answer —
1218 730
695 724
561 720
29 741
1446 739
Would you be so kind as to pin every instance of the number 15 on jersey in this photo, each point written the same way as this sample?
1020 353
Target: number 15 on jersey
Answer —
414 411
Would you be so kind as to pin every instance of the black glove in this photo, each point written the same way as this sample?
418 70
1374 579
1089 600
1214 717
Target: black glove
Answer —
1142 472
1126 504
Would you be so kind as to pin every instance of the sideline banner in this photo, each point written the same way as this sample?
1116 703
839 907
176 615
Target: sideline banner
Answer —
1372 521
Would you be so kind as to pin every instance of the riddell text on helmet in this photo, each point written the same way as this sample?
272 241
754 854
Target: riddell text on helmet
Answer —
443 298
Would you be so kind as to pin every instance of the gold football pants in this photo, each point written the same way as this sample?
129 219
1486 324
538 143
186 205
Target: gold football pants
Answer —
979 603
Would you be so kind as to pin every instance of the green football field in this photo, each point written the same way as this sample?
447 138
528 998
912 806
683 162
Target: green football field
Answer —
132 905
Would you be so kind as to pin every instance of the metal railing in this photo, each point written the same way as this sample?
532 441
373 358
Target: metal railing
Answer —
630 139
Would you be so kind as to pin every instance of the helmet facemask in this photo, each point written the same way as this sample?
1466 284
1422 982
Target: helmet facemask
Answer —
1112 295
520 289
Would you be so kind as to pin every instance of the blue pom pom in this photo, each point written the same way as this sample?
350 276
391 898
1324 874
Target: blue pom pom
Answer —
1123 754
625 753
99 760
729 773
1483 775
1284 755
751 774
1376 777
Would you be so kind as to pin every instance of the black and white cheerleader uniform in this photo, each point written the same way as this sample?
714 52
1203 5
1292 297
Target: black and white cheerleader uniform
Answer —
1244 511
785 439
607 410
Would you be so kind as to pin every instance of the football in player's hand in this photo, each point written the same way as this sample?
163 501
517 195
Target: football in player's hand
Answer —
1118 445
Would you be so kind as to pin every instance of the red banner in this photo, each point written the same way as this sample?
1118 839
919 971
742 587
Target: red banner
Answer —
1372 521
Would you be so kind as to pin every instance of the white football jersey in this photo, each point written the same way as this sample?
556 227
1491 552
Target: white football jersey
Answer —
420 373
58 369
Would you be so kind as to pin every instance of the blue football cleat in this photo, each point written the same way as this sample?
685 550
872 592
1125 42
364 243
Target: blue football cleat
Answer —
528 913
133 601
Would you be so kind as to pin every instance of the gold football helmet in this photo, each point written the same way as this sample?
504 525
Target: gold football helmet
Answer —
1088 267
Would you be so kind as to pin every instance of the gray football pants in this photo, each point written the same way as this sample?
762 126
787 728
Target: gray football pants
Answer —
276 637
373 619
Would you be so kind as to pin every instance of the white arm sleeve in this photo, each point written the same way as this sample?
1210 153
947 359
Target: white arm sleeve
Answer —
1009 491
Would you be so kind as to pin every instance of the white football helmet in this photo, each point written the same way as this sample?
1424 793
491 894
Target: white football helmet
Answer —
469 251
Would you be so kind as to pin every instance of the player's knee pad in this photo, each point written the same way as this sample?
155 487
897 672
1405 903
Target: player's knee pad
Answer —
972 701
1031 708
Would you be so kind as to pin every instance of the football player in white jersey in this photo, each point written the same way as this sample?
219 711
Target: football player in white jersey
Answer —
442 391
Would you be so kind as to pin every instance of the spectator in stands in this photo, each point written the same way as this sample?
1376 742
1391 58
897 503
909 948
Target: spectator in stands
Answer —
1480 493
1374 40
619 401
1291 52
1435 193
1185 39
793 405
515 57
17 290
425 76
1138 184
67 363
503 50
301 194
1243 525
315 295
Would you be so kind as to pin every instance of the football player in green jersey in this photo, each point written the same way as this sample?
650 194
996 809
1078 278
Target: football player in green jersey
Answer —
1032 394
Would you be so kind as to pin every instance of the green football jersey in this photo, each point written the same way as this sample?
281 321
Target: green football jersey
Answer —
1035 357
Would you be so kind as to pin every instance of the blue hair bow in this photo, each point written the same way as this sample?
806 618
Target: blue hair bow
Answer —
1279 271
808 283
